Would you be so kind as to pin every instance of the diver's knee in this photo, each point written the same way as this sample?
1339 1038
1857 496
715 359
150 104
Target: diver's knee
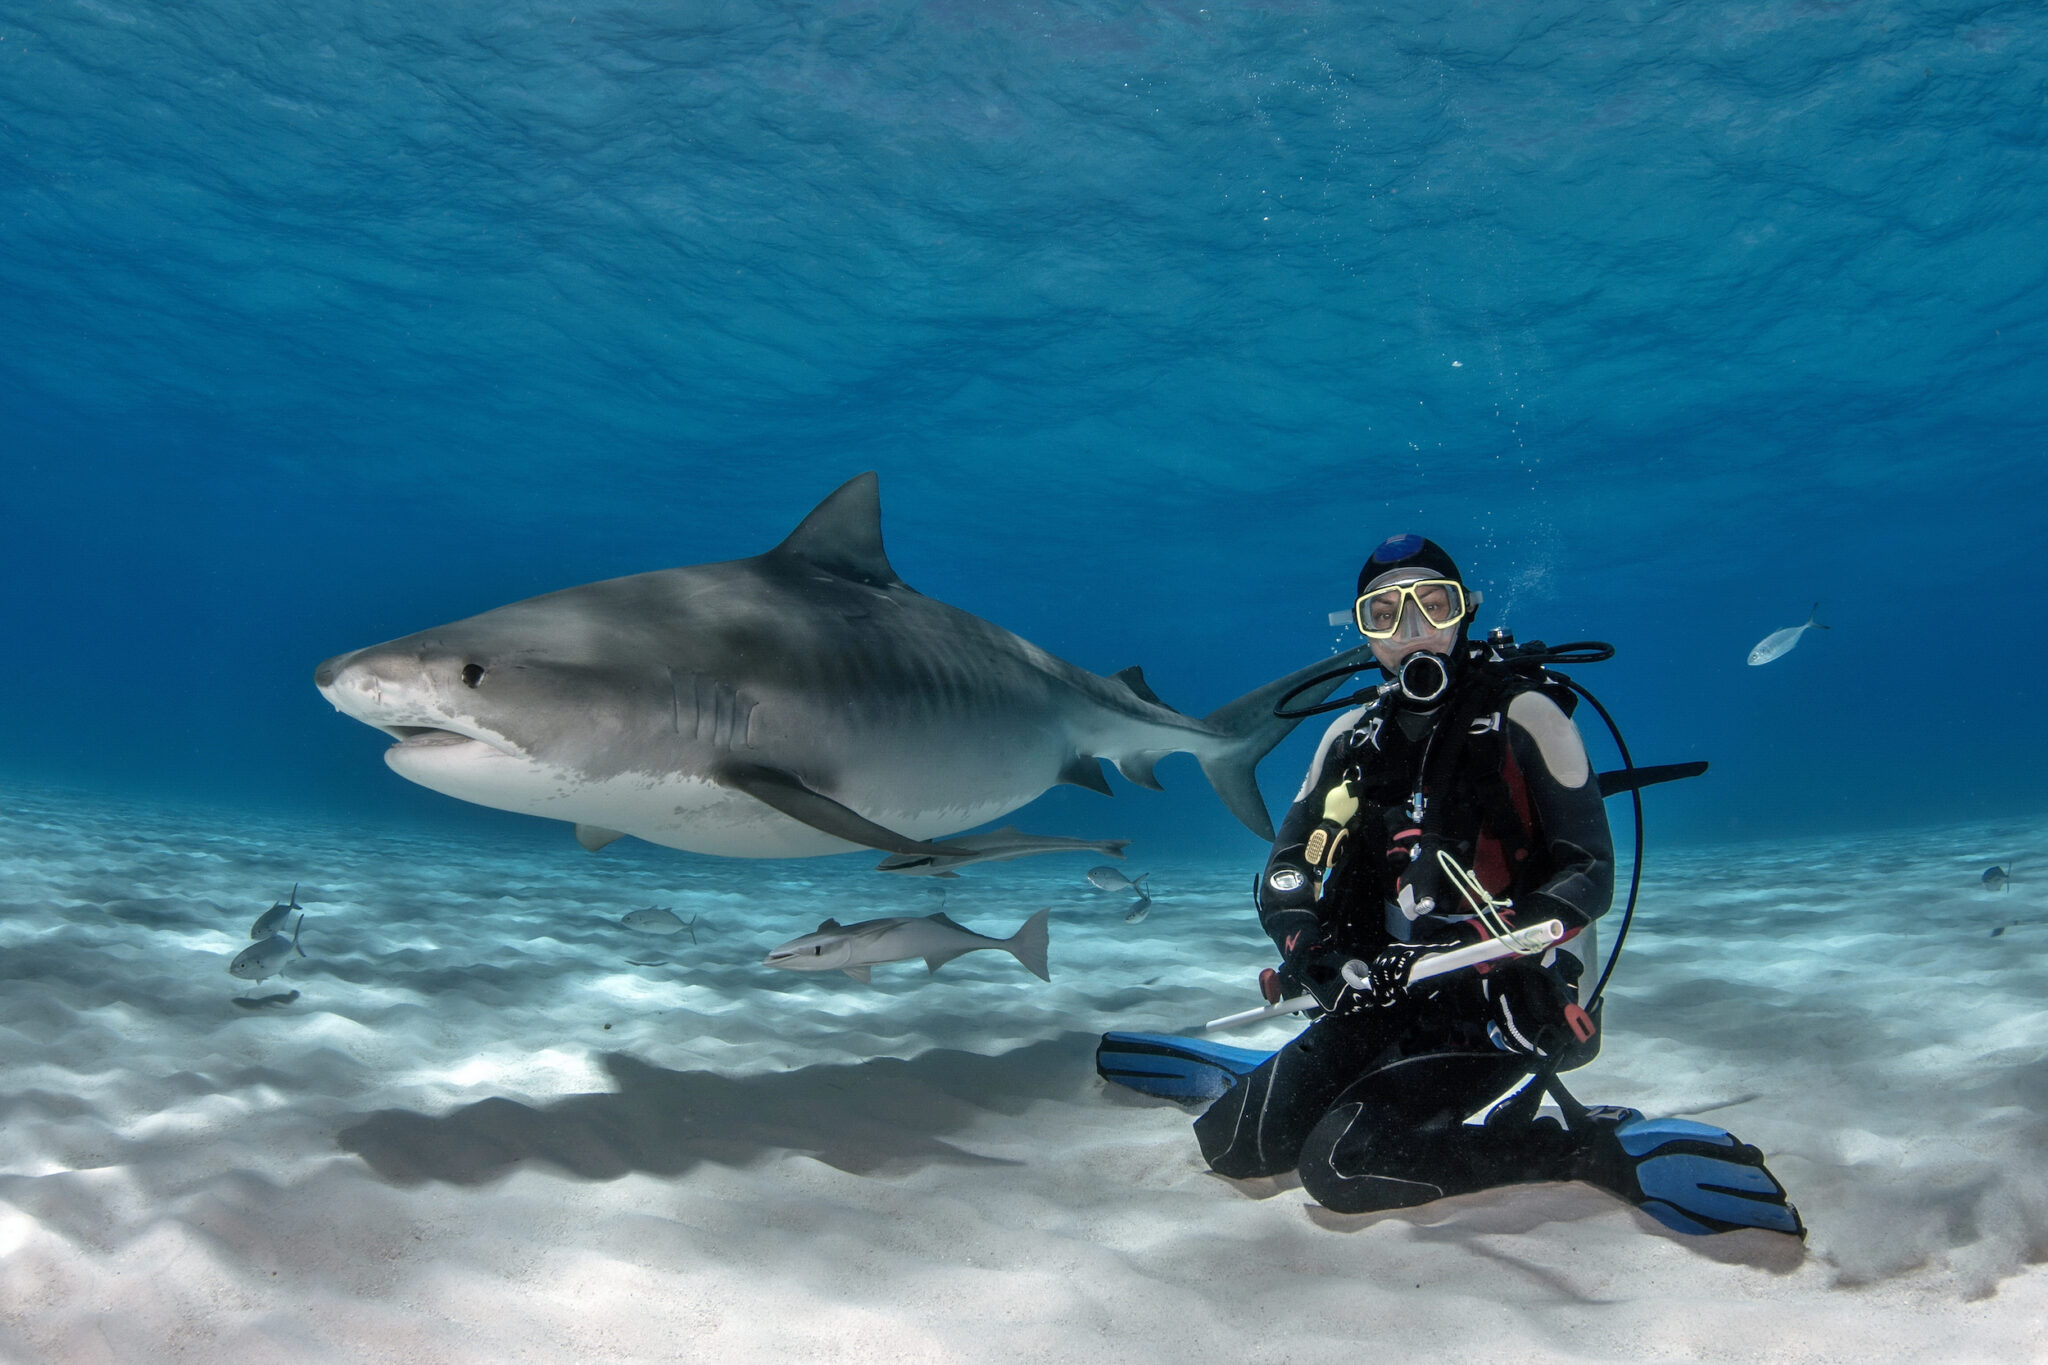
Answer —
1339 1169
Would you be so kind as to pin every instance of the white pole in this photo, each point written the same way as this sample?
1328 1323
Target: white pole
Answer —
1520 943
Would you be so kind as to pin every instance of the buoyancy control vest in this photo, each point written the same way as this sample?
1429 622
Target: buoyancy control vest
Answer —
1403 794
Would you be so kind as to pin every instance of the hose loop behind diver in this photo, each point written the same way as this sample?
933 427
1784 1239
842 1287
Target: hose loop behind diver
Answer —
1524 659
1343 671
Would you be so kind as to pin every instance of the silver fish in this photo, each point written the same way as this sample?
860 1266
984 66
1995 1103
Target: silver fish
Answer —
659 919
995 847
1109 879
1997 878
855 948
272 920
267 958
1779 642
1140 908
801 702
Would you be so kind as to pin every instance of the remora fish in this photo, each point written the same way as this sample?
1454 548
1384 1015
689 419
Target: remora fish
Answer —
801 702
854 948
267 958
1780 642
272 920
995 847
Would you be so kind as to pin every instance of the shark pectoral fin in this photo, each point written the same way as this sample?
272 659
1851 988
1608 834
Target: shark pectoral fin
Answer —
785 791
1085 770
595 837
1138 767
863 974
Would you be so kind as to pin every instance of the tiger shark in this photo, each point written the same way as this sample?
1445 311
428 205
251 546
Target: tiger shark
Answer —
804 701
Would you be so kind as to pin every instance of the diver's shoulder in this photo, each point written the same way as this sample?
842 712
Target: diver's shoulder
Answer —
1531 707
1343 725
1346 721
1555 737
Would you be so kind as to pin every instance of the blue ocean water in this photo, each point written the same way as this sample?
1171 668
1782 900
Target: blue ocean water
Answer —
324 324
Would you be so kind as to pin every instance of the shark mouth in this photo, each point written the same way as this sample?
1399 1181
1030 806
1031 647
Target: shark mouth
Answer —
417 737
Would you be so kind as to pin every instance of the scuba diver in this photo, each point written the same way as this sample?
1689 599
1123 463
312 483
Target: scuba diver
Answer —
1454 806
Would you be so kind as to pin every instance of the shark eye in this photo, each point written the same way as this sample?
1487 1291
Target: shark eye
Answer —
472 674
817 950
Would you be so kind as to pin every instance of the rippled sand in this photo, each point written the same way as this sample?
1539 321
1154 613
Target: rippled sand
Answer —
484 1130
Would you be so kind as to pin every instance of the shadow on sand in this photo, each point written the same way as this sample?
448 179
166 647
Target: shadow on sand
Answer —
877 1117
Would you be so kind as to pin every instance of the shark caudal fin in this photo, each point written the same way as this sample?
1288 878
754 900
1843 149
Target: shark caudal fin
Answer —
1249 730
1029 944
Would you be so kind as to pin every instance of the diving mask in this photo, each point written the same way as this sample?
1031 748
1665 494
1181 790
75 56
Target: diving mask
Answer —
1406 610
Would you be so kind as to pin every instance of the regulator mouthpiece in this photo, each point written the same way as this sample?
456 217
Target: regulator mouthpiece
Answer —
1424 677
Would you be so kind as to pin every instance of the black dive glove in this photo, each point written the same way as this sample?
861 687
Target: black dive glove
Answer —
1318 971
1314 970
1386 979
1529 1010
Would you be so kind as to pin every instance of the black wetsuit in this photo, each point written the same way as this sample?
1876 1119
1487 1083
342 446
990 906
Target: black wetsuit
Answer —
1370 1106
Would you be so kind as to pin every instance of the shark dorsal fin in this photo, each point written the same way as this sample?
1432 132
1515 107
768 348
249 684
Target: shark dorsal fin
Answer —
829 925
843 534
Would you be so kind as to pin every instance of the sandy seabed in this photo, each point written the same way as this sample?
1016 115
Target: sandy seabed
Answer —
495 1125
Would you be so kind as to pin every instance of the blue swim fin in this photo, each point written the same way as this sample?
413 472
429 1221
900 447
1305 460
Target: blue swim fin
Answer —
1691 1177
1171 1067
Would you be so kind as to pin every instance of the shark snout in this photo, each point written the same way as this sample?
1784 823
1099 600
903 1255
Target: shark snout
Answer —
348 682
380 687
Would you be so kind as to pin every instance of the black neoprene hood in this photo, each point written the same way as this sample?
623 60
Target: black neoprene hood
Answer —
1407 551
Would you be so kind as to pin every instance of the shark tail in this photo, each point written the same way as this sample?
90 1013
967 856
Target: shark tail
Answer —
1248 730
1028 944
